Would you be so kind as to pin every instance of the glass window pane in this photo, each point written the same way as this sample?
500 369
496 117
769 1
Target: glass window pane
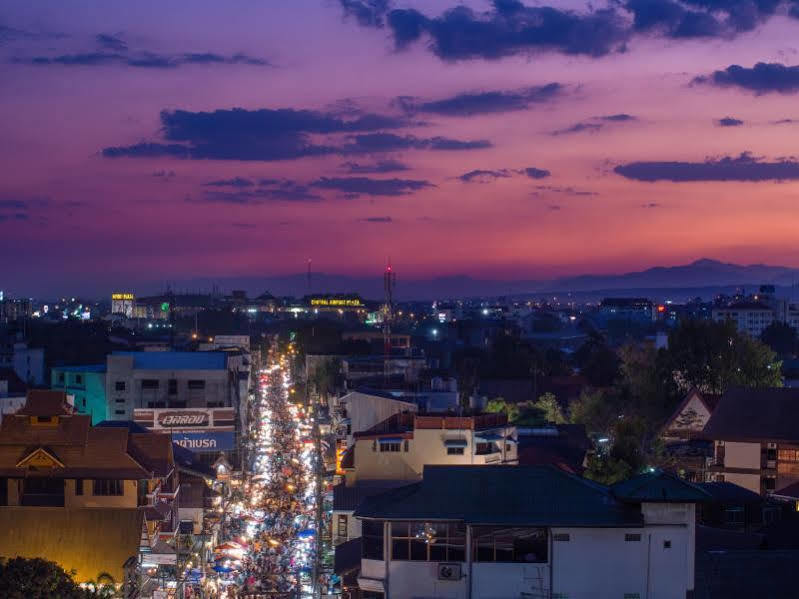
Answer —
418 550
399 549
399 529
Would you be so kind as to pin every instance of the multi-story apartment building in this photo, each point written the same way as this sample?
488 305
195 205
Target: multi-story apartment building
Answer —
397 450
750 317
89 498
529 531
198 398
756 440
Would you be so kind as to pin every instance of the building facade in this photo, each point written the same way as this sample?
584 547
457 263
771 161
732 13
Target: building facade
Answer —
533 532
81 495
756 440
87 386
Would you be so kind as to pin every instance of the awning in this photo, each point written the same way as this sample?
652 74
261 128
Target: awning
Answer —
488 437
455 443
511 440
390 440
371 584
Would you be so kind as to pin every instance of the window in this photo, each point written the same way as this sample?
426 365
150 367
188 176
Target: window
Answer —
734 515
405 446
372 534
770 483
454 450
390 447
561 537
119 385
196 385
78 379
119 412
177 404
108 486
119 400
43 419
485 448
172 386
341 525
61 377
788 455
212 404
149 384
78 486
666 544
428 541
632 537
156 404
510 544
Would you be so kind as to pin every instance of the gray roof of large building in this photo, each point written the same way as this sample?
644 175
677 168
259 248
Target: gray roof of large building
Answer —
503 495
755 415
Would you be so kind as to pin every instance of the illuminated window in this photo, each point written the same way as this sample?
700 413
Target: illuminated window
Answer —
428 541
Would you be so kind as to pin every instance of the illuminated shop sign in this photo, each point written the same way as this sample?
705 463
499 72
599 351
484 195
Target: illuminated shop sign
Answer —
205 441
336 302
123 296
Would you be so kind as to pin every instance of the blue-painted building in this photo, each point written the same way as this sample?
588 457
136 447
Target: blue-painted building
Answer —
87 385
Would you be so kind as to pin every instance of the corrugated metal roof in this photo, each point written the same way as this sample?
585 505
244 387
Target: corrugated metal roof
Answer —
504 495
177 360
659 487
90 541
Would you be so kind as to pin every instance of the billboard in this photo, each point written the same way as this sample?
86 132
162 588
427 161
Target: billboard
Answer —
206 440
186 419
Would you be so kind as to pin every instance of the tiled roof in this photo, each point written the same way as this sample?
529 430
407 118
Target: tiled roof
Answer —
503 495
45 403
177 360
755 415
88 540
84 451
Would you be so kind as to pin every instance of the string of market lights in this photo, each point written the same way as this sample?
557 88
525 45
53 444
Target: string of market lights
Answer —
268 528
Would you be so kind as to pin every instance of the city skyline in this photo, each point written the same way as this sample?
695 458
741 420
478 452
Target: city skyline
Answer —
244 141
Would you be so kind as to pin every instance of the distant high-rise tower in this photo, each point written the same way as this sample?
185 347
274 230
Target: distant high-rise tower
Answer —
389 280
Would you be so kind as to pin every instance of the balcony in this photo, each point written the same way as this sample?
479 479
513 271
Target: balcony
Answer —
42 500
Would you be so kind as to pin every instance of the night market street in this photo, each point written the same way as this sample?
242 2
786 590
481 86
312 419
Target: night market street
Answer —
267 547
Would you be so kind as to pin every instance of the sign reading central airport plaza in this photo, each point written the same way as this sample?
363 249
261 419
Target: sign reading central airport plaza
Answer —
337 302
197 429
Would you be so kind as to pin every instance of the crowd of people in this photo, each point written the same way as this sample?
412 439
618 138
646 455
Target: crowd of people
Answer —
270 521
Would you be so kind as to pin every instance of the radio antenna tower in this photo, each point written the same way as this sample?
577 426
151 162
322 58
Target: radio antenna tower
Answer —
309 276
389 280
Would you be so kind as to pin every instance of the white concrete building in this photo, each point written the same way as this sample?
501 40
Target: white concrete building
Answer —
537 532
751 318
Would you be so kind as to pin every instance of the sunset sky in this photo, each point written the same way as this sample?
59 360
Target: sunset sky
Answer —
144 141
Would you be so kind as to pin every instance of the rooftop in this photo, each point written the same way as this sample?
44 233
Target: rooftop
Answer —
88 368
503 495
407 422
177 360
755 415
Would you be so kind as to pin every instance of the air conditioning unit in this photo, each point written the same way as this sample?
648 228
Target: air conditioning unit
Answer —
449 571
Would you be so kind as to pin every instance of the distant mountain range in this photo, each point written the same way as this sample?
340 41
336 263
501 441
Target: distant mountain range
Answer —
703 277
